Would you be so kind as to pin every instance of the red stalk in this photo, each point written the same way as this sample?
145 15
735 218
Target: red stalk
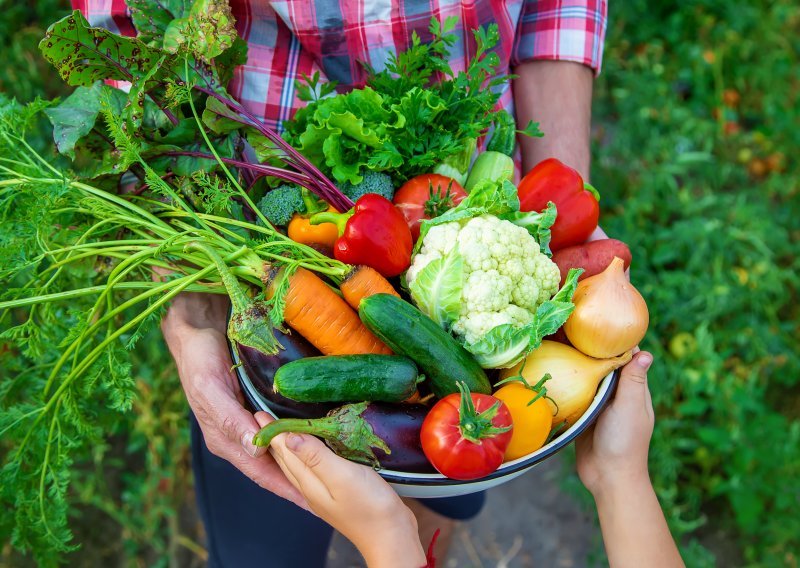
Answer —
319 184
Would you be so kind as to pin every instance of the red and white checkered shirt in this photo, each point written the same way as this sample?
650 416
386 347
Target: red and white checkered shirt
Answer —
287 38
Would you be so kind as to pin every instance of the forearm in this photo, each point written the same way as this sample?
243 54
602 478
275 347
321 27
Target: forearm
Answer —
635 532
557 95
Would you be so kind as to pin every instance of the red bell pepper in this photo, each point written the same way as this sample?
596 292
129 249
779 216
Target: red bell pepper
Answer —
576 201
373 233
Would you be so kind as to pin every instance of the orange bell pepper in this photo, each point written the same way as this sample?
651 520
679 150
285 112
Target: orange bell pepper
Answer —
302 231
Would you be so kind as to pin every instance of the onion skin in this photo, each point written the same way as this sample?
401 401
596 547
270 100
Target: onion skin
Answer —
574 377
610 315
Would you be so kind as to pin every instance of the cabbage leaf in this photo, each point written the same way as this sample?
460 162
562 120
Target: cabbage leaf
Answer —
436 290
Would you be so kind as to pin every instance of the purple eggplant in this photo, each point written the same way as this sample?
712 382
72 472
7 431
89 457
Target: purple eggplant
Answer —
374 433
261 369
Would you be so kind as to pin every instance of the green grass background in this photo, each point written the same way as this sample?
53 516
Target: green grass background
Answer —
697 134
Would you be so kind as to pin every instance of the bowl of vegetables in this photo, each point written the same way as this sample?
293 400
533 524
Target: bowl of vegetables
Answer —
454 381
402 296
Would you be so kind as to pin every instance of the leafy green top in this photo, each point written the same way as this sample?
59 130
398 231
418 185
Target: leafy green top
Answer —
414 114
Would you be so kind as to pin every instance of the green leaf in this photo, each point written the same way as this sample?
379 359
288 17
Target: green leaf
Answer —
568 289
537 224
229 59
137 96
343 157
185 132
311 141
354 127
151 19
532 130
437 288
83 54
266 150
493 198
206 32
219 118
553 313
75 117
311 88
504 346
17 118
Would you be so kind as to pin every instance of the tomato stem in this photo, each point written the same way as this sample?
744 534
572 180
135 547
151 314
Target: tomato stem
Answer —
476 427
437 202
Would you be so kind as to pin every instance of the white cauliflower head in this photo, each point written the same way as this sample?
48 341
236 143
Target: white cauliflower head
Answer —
505 275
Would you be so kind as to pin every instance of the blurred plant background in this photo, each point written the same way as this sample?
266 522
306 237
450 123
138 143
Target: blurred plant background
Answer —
696 144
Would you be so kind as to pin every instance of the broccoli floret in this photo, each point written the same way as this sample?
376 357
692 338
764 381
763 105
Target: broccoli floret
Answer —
373 182
279 204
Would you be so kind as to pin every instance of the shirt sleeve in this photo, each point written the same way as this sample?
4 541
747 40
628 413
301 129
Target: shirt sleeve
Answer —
112 15
568 30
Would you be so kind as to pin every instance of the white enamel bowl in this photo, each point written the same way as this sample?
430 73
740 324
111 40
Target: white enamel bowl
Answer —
435 485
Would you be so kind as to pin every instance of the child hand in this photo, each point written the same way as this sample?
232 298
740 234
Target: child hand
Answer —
614 451
352 498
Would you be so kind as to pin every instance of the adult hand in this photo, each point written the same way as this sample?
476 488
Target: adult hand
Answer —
352 498
194 329
614 451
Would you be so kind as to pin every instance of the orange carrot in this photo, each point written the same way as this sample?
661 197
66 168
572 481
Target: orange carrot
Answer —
362 282
317 313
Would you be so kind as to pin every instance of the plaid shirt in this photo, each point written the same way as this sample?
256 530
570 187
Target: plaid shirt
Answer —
287 38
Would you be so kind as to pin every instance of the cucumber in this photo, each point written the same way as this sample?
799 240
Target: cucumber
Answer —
409 332
348 378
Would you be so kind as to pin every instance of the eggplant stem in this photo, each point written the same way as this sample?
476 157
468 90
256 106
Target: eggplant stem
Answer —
317 427
345 430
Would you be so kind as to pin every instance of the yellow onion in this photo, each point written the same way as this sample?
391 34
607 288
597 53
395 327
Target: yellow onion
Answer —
610 315
574 377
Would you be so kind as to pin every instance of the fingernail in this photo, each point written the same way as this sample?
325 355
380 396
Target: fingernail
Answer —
247 443
644 360
294 441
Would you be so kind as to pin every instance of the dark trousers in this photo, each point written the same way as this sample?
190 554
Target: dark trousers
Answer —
247 526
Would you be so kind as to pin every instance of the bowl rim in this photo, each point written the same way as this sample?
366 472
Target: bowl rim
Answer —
598 404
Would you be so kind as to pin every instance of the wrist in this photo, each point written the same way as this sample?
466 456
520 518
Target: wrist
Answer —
394 545
621 484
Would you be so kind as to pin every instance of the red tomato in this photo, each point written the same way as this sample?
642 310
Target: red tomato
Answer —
426 196
465 436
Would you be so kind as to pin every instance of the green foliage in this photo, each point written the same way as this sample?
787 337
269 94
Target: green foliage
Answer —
402 122
697 111
207 30
79 50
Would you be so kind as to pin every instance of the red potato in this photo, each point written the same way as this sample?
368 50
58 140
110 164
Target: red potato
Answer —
593 257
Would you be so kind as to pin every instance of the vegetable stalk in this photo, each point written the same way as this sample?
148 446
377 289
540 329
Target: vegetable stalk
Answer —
344 429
